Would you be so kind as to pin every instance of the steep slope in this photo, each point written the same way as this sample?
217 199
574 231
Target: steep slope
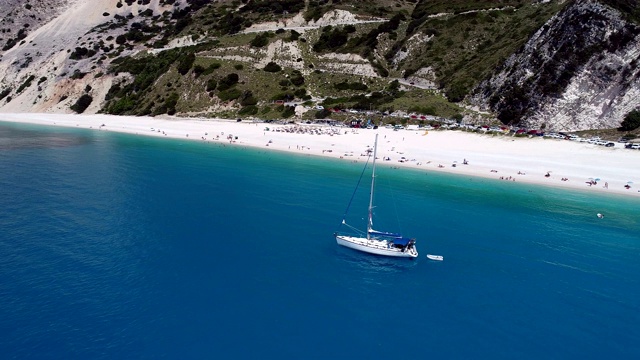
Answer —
577 72
18 18
555 64
48 70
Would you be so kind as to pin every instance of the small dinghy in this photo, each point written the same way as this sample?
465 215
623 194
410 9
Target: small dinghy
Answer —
435 257
600 216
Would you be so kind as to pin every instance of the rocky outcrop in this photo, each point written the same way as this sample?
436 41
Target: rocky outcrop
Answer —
579 71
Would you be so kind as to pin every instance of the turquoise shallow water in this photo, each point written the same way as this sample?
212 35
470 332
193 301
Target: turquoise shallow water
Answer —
113 245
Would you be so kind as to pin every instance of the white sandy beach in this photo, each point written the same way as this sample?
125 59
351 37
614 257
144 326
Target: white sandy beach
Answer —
497 157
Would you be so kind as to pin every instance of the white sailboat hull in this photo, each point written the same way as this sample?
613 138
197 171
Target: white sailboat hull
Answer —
378 247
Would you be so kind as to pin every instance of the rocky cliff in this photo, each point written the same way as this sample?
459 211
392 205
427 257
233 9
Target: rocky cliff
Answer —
579 71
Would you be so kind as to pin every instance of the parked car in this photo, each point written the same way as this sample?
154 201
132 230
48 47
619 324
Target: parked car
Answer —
610 144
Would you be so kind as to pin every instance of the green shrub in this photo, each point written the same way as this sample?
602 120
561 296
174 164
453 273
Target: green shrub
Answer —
300 93
170 102
82 103
198 70
381 70
122 105
228 82
211 68
351 86
211 84
631 121
185 63
288 112
22 33
4 93
247 99
230 94
285 96
25 84
331 39
121 39
260 40
77 74
248 110
294 36
297 79
321 114
456 92
272 67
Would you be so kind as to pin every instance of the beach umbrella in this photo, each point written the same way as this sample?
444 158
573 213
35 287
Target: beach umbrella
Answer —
597 179
629 182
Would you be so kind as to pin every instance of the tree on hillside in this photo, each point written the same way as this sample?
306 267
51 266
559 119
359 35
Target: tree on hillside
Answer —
82 103
631 121
272 67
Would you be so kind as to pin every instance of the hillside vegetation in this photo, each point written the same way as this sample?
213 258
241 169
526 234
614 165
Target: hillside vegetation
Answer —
254 58
460 46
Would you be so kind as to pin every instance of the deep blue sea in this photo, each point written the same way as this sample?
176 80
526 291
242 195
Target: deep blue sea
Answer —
121 246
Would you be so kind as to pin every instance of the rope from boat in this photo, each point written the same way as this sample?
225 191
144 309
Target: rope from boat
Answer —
355 230
354 191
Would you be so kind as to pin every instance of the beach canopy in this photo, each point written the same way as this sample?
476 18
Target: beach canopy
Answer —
402 241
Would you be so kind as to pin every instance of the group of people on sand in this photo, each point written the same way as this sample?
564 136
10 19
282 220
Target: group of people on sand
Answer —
311 130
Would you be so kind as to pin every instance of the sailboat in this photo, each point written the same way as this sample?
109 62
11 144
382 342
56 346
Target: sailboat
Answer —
374 241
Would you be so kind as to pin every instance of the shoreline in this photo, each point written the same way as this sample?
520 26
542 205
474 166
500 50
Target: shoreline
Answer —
494 157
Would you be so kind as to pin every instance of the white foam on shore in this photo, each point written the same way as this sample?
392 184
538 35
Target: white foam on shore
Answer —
509 158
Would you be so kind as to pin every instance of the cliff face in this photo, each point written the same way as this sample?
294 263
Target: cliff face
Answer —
579 71
19 18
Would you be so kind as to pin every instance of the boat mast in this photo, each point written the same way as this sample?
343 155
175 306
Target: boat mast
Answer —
373 181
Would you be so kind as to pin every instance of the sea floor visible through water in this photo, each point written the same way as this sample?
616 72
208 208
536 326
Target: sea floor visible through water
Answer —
115 245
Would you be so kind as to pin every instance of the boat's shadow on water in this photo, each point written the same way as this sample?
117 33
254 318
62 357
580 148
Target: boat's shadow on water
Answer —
370 263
